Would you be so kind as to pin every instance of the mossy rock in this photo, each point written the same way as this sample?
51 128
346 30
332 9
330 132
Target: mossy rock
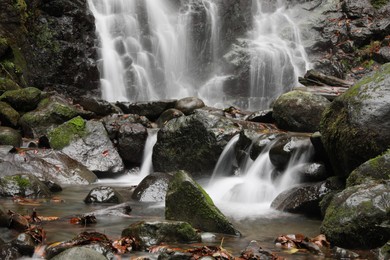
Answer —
8 115
378 4
62 136
299 111
25 99
384 251
187 201
51 112
358 217
25 185
154 233
8 84
356 126
9 136
374 170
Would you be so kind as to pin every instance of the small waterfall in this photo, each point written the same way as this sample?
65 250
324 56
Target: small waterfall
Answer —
278 56
147 165
252 192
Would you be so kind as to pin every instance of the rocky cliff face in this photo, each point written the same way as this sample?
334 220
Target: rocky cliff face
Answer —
48 44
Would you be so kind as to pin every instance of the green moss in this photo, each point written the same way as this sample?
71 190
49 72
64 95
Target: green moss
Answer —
20 6
379 3
45 38
23 183
61 136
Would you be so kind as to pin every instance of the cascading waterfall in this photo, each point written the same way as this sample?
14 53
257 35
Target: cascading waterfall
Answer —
277 57
147 164
251 192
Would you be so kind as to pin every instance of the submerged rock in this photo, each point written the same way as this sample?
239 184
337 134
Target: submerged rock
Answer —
187 201
153 187
24 185
154 233
358 217
103 194
341 253
10 136
356 127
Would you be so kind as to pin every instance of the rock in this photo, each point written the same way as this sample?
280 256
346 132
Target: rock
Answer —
187 201
303 199
98 106
8 115
263 116
47 165
120 210
374 170
341 253
193 143
383 55
52 186
25 244
24 185
356 127
131 142
254 251
7 251
79 253
299 111
384 251
358 216
9 136
4 218
51 112
7 84
114 122
154 233
152 188
103 194
287 146
152 110
168 115
18 222
87 143
312 172
25 99
189 104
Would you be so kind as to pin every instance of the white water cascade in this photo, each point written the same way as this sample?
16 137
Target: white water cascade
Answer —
278 56
251 192
147 164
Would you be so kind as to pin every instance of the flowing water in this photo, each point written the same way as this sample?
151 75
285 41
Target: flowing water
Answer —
162 49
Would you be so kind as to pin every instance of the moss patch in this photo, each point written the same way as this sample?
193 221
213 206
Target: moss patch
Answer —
61 136
379 3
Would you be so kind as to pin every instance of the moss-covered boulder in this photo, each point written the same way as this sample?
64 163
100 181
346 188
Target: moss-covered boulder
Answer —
8 115
88 143
25 99
9 136
154 233
25 185
374 170
299 111
187 201
356 127
51 112
192 143
7 84
358 217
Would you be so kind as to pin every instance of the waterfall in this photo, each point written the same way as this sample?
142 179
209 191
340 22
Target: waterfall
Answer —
252 192
147 165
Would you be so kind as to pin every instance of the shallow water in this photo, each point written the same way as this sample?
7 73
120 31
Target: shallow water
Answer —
262 225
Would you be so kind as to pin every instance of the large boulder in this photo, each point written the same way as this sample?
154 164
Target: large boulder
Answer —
299 111
356 127
88 143
47 165
358 217
192 143
153 187
24 185
131 142
8 115
10 136
25 99
154 233
187 201
50 113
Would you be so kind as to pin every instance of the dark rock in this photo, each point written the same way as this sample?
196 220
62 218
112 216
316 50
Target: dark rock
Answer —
53 187
131 142
9 136
383 55
97 106
47 165
187 201
168 115
154 233
287 146
25 99
25 244
319 150
193 143
4 218
152 110
189 104
50 113
264 116
114 122
303 199
8 251
18 222
356 127
175 256
8 115
299 111
254 251
341 253
103 194
153 187
23 185
374 170
358 216
87 143
79 253
7 84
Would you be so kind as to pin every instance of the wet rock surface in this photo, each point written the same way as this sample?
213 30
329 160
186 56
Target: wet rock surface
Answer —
153 187
103 194
23 185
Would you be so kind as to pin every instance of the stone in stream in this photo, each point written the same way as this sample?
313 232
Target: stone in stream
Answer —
153 187
103 194
79 253
187 201
8 251
25 244
24 185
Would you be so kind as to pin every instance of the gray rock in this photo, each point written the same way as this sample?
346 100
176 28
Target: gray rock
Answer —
153 187
189 104
341 253
24 185
152 110
131 142
103 194
79 253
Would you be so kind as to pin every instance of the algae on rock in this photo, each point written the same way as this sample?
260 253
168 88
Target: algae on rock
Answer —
61 136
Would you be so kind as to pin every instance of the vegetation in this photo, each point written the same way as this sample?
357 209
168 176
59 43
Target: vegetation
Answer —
61 136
